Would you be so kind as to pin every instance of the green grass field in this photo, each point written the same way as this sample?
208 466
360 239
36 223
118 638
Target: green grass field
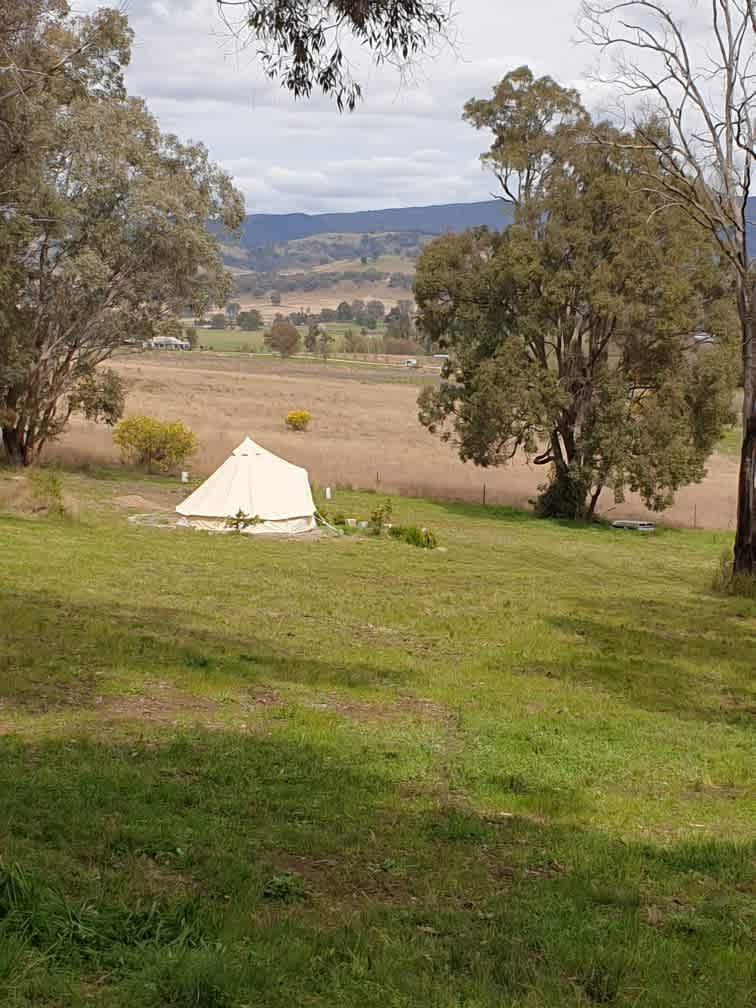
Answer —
510 774
231 340
253 342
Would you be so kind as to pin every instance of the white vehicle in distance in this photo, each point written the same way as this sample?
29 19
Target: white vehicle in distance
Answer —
410 362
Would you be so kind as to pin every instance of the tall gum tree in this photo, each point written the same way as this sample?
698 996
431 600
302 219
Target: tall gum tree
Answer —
687 76
571 335
104 225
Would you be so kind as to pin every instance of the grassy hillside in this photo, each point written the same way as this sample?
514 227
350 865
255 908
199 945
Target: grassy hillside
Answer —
353 773
275 241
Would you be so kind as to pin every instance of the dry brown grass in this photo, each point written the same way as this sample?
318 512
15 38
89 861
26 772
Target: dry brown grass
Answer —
364 432
315 301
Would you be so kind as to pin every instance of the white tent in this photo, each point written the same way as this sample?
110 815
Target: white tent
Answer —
259 484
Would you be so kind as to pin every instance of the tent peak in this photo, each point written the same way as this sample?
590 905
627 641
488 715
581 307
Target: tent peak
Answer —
248 447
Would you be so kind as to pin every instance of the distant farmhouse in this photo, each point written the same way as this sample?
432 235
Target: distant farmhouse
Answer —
167 343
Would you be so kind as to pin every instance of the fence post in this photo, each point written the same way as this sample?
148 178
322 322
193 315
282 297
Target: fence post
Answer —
484 495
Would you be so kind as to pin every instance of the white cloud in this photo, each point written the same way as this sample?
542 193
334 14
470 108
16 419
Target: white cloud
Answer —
404 145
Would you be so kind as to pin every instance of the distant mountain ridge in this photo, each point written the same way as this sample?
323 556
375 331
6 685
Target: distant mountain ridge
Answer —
263 243
262 229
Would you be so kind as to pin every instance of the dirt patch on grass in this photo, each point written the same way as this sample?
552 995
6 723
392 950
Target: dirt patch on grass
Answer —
166 708
160 705
344 884
137 502
404 708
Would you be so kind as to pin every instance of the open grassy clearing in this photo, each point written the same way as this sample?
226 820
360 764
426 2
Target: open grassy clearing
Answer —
349 772
231 340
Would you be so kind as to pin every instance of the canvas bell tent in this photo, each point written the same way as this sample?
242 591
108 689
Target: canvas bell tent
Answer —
260 485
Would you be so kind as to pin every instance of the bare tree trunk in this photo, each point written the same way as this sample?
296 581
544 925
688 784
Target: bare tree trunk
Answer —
745 539
593 503
702 88
745 536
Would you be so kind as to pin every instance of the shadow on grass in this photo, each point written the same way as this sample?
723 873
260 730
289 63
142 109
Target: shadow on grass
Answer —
663 657
223 871
55 651
461 509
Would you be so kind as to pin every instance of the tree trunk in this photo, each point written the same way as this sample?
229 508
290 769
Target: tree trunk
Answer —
13 447
592 504
745 535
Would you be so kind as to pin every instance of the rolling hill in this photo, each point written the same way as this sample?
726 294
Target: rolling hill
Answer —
261 229
274 242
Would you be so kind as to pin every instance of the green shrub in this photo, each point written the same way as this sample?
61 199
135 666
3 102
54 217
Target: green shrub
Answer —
380 517
47 491
242 521
564 497
154 444
414 536
285 888
298 420
321 504
724 582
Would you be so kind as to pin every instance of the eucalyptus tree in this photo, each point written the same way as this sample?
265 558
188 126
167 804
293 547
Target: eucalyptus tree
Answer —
303 43
572 335
103 225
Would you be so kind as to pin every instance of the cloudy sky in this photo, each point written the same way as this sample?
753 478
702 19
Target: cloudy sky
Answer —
404 145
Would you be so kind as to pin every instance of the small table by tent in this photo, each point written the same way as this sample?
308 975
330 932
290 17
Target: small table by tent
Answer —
260 485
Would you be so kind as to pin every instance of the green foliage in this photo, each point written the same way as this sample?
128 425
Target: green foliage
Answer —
157 445
283 338
298 420
92 250
570 336
312 337
414 536
242 521
284 888
219 320
380 516
325 342
101 396
301 45
564 497
250 320
47 491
